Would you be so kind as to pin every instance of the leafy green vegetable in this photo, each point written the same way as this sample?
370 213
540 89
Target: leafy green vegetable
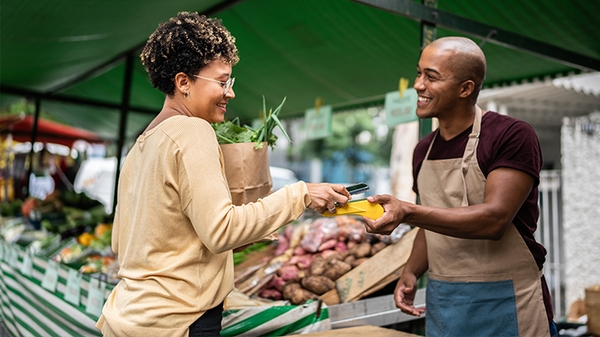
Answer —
241 256
230 132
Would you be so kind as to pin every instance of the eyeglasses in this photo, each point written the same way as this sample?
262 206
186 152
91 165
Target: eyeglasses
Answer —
226 85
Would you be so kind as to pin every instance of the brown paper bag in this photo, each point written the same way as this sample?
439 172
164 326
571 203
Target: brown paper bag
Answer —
247 172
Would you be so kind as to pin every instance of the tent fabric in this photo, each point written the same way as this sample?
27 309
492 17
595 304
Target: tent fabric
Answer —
344 52
20 128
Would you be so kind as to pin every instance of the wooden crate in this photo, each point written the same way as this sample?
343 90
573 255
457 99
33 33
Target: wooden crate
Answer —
373 274
592 309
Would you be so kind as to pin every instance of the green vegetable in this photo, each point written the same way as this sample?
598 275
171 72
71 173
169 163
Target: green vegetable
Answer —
16 207
239 257
103 242
230 132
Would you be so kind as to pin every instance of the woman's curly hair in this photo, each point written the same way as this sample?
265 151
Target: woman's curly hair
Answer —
186 43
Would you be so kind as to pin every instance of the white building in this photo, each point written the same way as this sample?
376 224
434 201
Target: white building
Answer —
565 114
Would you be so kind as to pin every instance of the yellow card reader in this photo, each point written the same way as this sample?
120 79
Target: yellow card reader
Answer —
359 207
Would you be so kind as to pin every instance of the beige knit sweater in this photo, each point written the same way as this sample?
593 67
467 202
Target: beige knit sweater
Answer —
175 228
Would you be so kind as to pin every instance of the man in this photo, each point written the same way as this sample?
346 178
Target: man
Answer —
476 177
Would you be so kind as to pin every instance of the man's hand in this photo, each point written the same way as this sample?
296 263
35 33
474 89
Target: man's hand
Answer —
404 295
395 214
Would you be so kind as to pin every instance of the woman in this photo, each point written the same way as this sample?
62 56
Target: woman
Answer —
175 225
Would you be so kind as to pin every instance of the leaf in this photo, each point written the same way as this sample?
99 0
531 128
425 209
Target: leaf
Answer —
230 132
280 105
281 128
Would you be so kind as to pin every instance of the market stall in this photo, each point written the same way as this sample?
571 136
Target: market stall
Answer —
59 254
44 291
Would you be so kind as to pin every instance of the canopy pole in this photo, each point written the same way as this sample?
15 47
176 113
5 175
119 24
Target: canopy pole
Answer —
123 123
34 131
428 35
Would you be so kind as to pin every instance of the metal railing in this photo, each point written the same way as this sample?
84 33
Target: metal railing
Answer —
550 233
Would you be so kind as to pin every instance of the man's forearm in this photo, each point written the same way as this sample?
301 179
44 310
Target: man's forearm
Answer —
417 263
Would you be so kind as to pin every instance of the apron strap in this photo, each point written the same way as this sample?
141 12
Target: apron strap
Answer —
470 152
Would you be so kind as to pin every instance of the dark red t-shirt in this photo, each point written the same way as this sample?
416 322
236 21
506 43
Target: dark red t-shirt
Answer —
503 142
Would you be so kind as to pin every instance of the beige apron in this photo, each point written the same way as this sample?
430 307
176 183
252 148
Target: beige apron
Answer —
476 287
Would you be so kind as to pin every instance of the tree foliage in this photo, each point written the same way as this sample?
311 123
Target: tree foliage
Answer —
359 136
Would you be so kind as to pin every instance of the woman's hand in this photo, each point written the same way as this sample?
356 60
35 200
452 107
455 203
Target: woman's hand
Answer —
326 197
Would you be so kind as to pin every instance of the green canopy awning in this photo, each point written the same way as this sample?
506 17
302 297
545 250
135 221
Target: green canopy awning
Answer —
72 54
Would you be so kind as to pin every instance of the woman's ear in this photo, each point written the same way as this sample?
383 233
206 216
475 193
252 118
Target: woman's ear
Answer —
466 88
182 83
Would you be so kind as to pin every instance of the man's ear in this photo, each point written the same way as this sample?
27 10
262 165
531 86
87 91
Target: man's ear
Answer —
467 88
182 82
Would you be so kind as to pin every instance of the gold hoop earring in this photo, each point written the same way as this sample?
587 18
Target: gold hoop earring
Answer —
186 95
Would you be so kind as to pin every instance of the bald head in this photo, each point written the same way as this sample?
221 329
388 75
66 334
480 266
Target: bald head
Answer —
466 60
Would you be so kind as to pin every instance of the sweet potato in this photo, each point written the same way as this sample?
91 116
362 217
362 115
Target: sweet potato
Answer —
276 283
318 266
361 250
357 262
329 244
301 261
377 247
288 273
326 254
335 256
273 294
289 289
282 245
336 268
299 251
349 259
317 284
294 293
341 246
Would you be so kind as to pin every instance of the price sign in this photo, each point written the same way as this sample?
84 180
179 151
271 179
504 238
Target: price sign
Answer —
13 257
50 280
318 122
401 109
2 249
27 266
95 299
73 291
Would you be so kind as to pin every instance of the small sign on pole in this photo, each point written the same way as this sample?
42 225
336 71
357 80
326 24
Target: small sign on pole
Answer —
318 122
400 110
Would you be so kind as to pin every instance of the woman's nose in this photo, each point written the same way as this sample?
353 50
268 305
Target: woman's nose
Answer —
230 94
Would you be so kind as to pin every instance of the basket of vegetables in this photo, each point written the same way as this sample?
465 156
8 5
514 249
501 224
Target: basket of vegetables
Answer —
245 154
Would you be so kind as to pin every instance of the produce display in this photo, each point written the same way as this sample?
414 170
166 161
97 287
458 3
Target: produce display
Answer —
303 264
67 227
309 257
